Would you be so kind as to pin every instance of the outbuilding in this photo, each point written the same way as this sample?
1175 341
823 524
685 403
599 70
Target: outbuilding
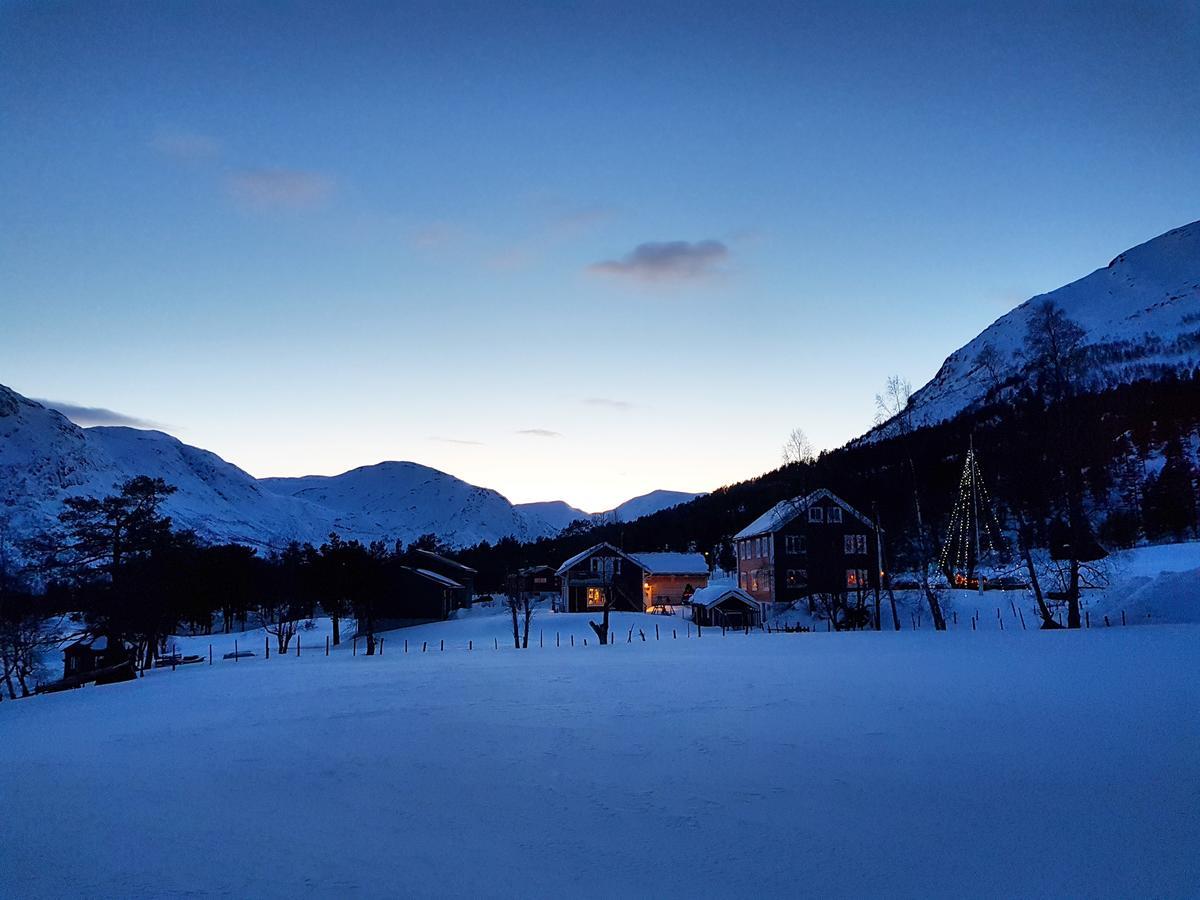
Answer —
725 605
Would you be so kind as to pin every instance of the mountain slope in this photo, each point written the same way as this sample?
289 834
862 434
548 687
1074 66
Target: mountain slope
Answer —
403 500
1141 314
556 514
44 458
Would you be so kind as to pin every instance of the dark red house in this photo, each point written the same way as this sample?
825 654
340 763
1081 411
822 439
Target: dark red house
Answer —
815 544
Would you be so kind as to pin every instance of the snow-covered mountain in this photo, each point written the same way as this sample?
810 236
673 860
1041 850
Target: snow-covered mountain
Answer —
1141 314
557 515
44 458
403 500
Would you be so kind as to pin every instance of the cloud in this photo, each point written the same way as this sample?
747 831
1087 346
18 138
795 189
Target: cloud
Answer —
667 261
86 416
540 432
186 146
609 402
266 190
447 440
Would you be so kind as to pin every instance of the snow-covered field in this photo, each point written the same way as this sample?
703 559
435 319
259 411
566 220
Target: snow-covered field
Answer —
968 764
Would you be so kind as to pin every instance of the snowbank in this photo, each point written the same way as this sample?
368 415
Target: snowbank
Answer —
920 764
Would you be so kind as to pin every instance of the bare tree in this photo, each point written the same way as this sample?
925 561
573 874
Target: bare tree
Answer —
798 448
519 602
893 412
990 365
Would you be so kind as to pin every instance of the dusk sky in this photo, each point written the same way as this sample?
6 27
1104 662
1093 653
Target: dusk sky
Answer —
567 253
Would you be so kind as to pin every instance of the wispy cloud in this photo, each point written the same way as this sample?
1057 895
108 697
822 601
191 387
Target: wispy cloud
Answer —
540 432
609 402
186 146
268 190
86 416
667 261
449 440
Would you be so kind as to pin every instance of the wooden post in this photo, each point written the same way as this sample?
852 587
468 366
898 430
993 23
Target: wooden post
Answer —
354 647
210 654
674 636
1087 618
424 646
496 641
972 623
656 631
572 640
235 650
557 642
470 644
1122 617
442 648
955 614
381 646
297 646
326 645
541 634
267 642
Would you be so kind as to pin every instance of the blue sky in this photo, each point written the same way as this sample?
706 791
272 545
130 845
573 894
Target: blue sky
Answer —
572 253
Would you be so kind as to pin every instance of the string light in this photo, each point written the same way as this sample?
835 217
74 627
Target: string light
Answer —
972 513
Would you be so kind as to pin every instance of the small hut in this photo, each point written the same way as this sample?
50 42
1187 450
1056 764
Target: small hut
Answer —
725 605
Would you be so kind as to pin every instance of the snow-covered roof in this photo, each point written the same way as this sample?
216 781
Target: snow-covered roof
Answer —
579 557
786 510
715 594
445 560
440 579
673 563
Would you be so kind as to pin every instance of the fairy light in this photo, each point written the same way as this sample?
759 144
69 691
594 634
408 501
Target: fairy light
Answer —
972 510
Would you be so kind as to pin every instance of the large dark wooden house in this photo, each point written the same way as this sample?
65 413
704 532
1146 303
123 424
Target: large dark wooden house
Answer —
598 575
815 544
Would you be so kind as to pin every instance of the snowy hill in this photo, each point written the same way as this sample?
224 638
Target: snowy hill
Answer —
403 500
1141 314
45 458
557 515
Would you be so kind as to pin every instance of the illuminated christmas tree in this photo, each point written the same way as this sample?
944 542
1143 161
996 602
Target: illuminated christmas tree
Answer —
973 534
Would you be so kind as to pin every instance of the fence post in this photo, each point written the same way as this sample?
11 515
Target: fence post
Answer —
540 636
381 646
470 644
267 642
1087 618
572 640
354 650
406 645
424 645
297 646
656 631
557 642
1122 617
1022 615
210 654
674 636
235 650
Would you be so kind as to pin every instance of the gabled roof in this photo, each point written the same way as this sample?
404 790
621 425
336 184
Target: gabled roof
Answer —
786 510
715 594
673 563
447 561
435 577
579 557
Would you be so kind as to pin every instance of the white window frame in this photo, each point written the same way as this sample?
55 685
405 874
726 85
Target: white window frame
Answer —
834 515
816 514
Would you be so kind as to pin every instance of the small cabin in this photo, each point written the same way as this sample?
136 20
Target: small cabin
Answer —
671 578
723 605
463 576
419 596
94 653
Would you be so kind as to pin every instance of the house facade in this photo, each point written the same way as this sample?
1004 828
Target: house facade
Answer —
419 596
671 578
814 544
599 575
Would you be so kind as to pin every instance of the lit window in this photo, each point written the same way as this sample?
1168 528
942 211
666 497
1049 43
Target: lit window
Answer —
595 598
856 578
854 543
816 514
834 514
797 577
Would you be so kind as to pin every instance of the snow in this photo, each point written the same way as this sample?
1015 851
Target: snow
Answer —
1147 298
673 563
557 515
786 510
715 593
916 764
